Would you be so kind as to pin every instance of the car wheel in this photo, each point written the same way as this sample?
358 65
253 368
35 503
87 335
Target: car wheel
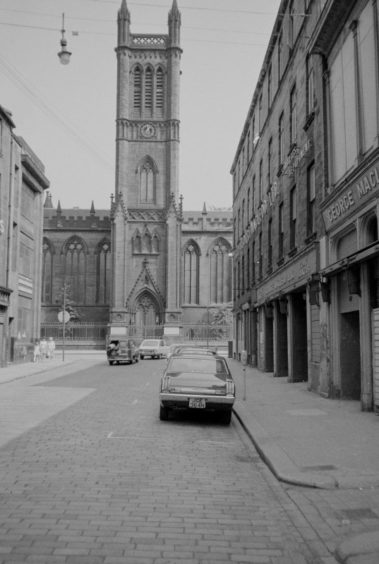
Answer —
141 357
163 413
226 417
137 358
110 362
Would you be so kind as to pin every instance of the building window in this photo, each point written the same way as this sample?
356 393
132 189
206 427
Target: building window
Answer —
248 148
344 127
260 109
281 139
269 163
269 239
137 88
293 213
220 272
248 216
311 189
253 198
243 216
159 93
253 264
243 274
281 231
75 269
147 173
293 123
103 272
291 25
260 182
269 86
260 257
191 273
310 86
148 88
280 54
47 272
248 266
239 225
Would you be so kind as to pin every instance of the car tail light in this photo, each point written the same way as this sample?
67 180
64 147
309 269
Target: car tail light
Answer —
165 384
230 388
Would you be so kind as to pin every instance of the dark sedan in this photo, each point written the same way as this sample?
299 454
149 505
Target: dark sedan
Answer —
197 382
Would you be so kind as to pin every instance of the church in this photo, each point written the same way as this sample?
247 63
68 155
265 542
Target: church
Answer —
145 263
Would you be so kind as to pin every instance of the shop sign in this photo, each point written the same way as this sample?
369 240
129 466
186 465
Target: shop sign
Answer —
361 190
296 275
265 207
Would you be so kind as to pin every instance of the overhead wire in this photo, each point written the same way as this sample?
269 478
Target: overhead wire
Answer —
16 77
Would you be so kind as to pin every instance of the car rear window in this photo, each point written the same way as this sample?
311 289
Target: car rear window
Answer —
205 365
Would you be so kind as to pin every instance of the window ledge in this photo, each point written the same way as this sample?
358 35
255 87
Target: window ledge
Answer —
280 261
292 252
310 238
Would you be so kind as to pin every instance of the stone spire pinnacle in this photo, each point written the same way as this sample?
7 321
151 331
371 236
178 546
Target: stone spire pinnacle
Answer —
174 23
123 21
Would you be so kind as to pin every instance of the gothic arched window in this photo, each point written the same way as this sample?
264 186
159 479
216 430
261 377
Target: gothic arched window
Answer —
47 272
137 87
147 172
148 88
220 272
159 91
103 272
191 273
75 269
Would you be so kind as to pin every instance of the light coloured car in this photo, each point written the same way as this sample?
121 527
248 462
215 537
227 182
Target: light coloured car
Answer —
154 348
180 349
202 382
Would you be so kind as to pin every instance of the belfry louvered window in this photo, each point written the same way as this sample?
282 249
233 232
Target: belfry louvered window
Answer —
137 99
148 88
159 94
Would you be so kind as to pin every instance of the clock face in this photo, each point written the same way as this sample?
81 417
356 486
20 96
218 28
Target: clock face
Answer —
148 130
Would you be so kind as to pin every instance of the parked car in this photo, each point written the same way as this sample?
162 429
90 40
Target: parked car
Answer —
122 350
197 382
177 349
155 348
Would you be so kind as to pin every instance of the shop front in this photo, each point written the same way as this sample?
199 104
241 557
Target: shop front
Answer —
284 319
352 274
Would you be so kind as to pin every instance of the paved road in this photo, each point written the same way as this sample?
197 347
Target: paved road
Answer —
91 476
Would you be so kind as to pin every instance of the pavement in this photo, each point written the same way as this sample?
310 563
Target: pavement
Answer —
305 439
311 441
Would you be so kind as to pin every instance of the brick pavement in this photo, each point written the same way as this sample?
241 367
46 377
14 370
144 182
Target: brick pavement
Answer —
102 480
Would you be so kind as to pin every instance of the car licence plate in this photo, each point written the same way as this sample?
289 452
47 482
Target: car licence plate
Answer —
198 403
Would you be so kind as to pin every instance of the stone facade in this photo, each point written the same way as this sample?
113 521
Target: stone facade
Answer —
146 264
22 183
306 170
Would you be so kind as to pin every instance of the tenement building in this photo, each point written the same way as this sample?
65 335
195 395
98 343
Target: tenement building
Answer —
144 264
22 183
305 202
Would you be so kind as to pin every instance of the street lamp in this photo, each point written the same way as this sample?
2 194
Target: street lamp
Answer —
64 55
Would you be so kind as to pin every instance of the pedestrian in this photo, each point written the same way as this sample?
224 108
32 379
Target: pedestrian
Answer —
43 348
51 347
36 352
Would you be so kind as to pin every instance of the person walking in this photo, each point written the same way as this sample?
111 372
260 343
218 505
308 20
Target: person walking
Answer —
51 347
36 352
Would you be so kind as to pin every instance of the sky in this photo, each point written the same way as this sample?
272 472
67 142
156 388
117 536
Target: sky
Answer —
66 113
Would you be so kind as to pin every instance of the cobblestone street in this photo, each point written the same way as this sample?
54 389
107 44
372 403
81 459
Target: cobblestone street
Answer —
103 481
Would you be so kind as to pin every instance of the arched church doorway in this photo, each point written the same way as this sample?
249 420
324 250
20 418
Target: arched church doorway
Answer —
148 316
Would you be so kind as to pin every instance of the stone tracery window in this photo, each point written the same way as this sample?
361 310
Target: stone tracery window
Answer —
147 176
137 87
47 271
220 272
191 273
103 272
75 265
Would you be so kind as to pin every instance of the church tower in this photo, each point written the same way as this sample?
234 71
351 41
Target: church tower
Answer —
146 213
